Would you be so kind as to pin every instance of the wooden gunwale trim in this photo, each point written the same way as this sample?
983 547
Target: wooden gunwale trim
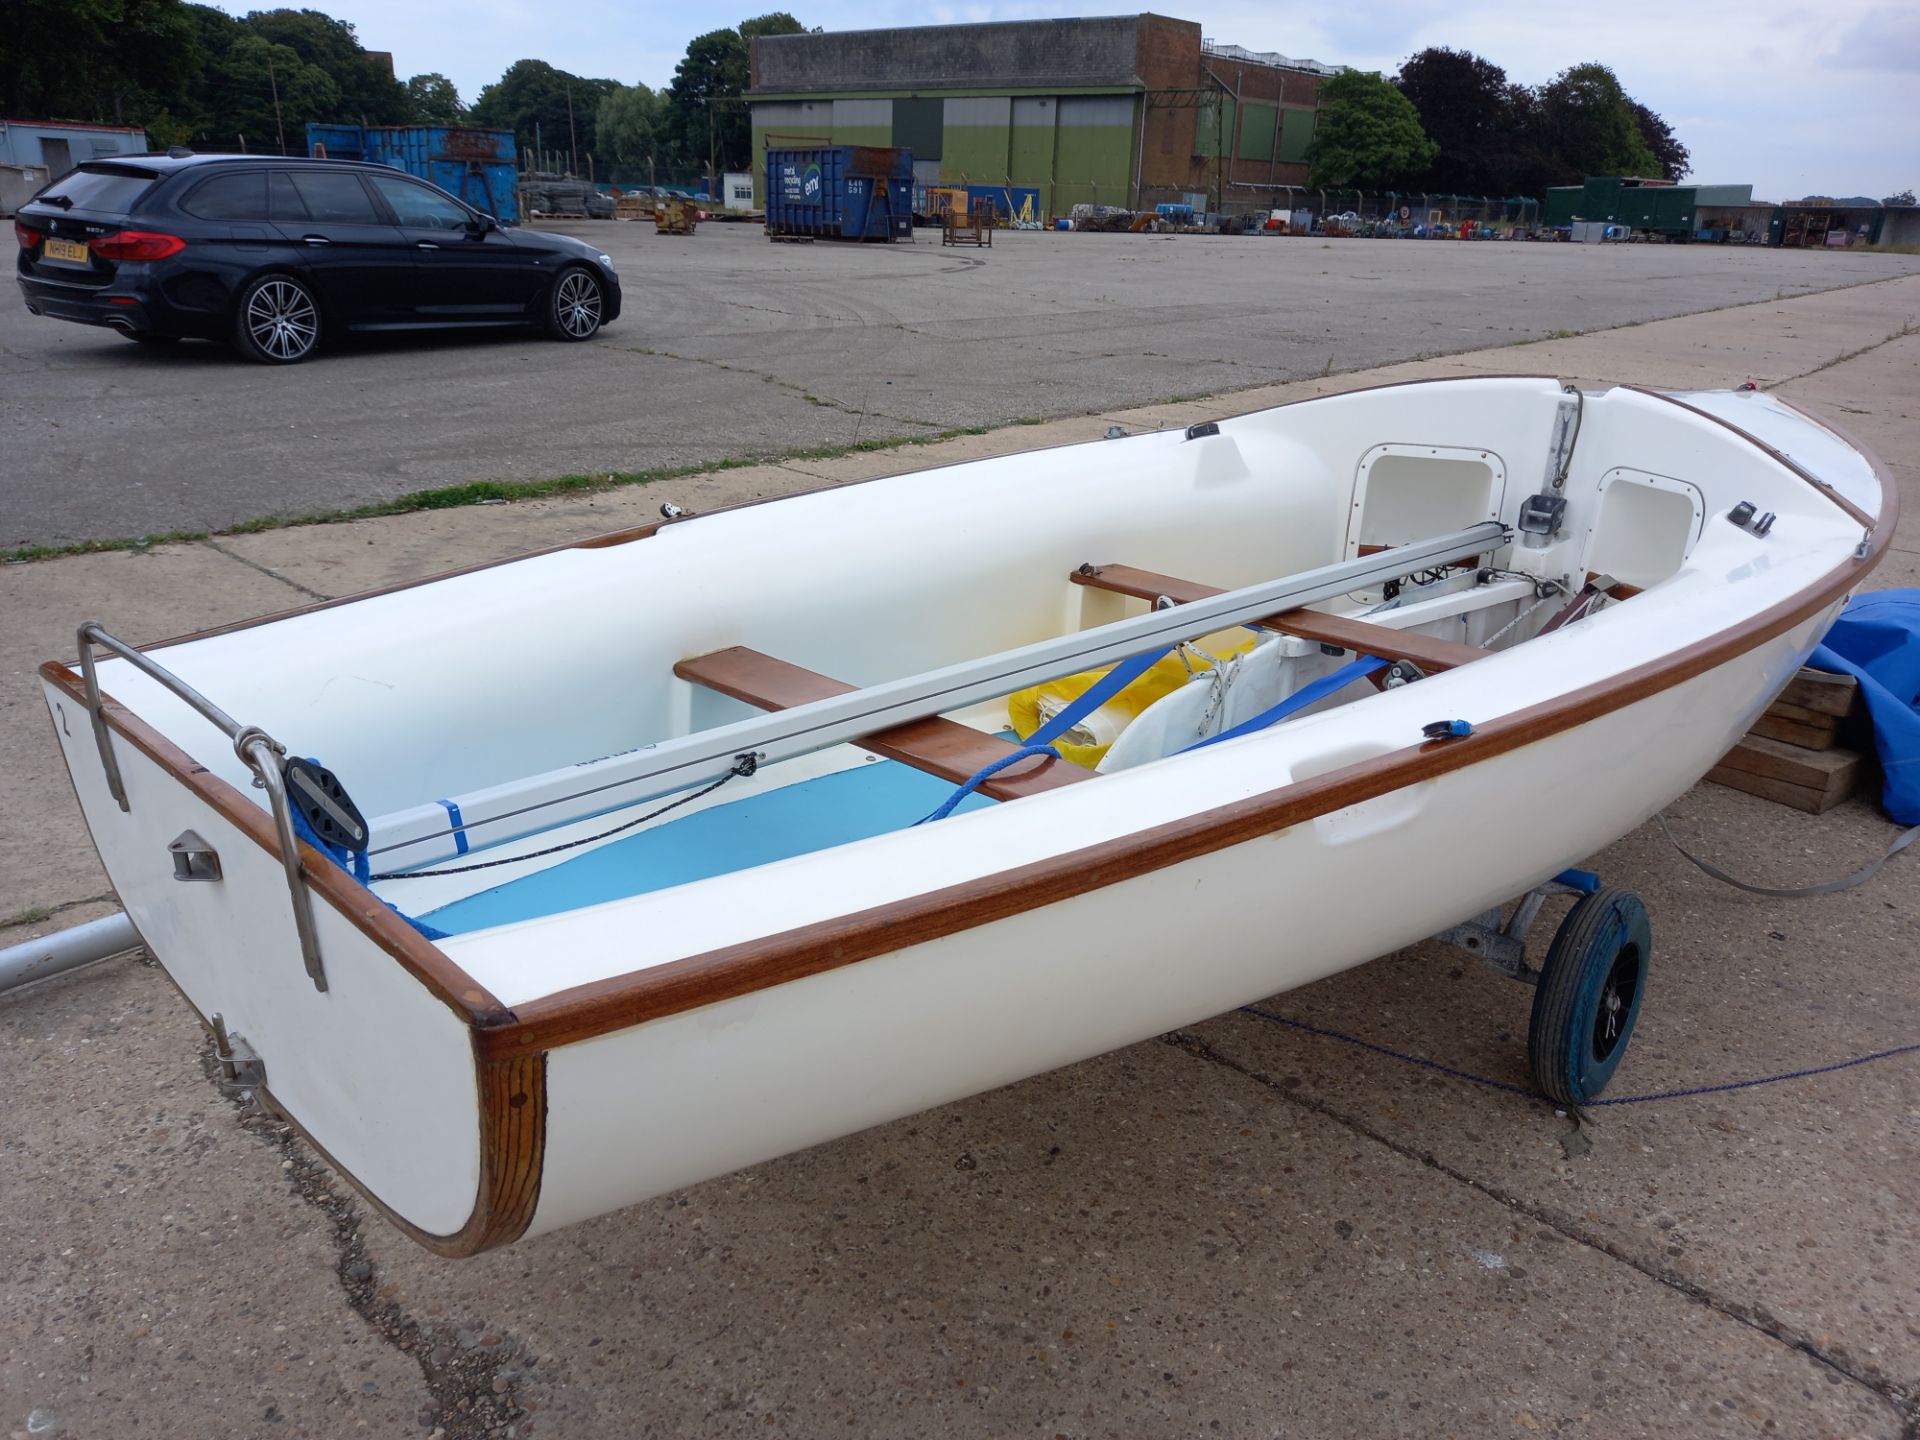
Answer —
459 991
653 527
1852 510
512 1094
618 1002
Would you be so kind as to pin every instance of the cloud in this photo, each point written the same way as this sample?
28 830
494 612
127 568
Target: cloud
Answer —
1881 40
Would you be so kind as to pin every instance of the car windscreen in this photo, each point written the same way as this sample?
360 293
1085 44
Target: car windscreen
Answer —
108 188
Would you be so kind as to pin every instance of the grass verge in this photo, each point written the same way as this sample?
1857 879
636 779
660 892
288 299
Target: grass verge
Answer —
477 492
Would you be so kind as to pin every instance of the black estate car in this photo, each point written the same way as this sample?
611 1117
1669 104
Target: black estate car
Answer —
275 255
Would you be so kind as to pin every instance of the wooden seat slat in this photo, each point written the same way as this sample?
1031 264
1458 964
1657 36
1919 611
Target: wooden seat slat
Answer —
1426 651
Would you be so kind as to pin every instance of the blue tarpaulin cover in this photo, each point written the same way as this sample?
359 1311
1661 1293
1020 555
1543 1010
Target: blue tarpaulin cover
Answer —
1877 638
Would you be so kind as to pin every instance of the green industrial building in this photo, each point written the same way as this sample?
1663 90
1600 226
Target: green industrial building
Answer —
1122 110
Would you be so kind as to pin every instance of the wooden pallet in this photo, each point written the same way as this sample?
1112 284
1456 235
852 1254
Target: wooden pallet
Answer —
1793 752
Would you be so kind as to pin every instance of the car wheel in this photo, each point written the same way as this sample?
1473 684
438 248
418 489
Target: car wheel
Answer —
277 321
574 305
141 339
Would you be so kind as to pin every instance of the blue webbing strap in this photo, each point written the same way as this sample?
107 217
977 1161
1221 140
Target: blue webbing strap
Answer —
1097 694
983 774
1041 741
460 846
1299 700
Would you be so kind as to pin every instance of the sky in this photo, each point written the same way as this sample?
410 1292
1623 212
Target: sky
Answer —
1794 98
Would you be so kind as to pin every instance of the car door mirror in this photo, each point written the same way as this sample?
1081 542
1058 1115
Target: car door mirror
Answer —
478 226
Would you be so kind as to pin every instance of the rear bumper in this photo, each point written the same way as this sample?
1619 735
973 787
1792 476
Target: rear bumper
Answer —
109 305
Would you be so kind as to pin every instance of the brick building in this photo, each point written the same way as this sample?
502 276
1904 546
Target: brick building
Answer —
1125 110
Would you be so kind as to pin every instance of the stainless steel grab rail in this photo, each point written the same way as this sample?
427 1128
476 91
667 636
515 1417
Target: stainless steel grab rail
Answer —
258 751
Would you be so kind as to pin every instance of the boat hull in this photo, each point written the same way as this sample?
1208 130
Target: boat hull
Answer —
760 1075
498 1084
466 1136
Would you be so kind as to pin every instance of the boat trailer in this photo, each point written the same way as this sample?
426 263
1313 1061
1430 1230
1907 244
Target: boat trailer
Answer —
1588 988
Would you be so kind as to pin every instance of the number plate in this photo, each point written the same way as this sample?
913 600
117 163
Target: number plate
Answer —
71 251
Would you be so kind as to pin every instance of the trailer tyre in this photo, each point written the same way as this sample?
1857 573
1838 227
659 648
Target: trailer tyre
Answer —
575 304
1589 995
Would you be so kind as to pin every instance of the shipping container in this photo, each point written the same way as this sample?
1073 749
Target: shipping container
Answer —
840 192
479 166
1652 207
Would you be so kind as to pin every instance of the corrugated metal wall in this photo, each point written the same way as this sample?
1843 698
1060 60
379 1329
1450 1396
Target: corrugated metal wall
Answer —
1093 151
978 137
863 122
919 125
1030 156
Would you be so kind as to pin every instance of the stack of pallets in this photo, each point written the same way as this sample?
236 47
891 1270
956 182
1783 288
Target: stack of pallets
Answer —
1795 752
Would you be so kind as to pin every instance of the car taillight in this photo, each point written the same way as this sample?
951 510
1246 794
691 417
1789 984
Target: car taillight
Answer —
137 245
29 239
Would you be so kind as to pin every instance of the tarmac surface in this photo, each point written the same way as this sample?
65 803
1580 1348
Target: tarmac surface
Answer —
1243 1229
730 346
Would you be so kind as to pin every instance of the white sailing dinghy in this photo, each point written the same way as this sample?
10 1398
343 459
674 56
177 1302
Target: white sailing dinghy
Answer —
633 862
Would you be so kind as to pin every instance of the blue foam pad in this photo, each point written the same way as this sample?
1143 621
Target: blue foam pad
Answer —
870 799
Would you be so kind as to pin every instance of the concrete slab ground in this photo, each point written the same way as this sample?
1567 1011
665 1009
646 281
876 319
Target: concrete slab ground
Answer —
730 347
1246 1229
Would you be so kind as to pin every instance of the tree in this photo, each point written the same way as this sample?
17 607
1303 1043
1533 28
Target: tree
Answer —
705 118
710 78
1903 197
242 87
628 125
1367 135
534 100
1666 148
435 100
365 86
1485 125
99 60
779 22
1589 126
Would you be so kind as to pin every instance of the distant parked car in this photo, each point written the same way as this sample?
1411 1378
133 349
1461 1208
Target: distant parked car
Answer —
276 255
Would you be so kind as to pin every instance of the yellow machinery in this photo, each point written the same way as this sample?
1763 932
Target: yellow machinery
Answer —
937 202
674 216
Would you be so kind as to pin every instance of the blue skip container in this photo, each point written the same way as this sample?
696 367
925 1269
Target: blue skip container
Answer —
841 192
479 166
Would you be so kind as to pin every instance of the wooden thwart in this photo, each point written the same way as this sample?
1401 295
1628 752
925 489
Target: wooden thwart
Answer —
1361 635
940 747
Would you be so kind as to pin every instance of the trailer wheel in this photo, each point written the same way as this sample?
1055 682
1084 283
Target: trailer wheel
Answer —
1589 994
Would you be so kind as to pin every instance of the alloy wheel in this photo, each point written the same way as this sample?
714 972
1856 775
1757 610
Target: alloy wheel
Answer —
282 320
576 304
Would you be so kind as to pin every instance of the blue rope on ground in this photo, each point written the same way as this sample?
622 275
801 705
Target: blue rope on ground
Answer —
1529 1094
